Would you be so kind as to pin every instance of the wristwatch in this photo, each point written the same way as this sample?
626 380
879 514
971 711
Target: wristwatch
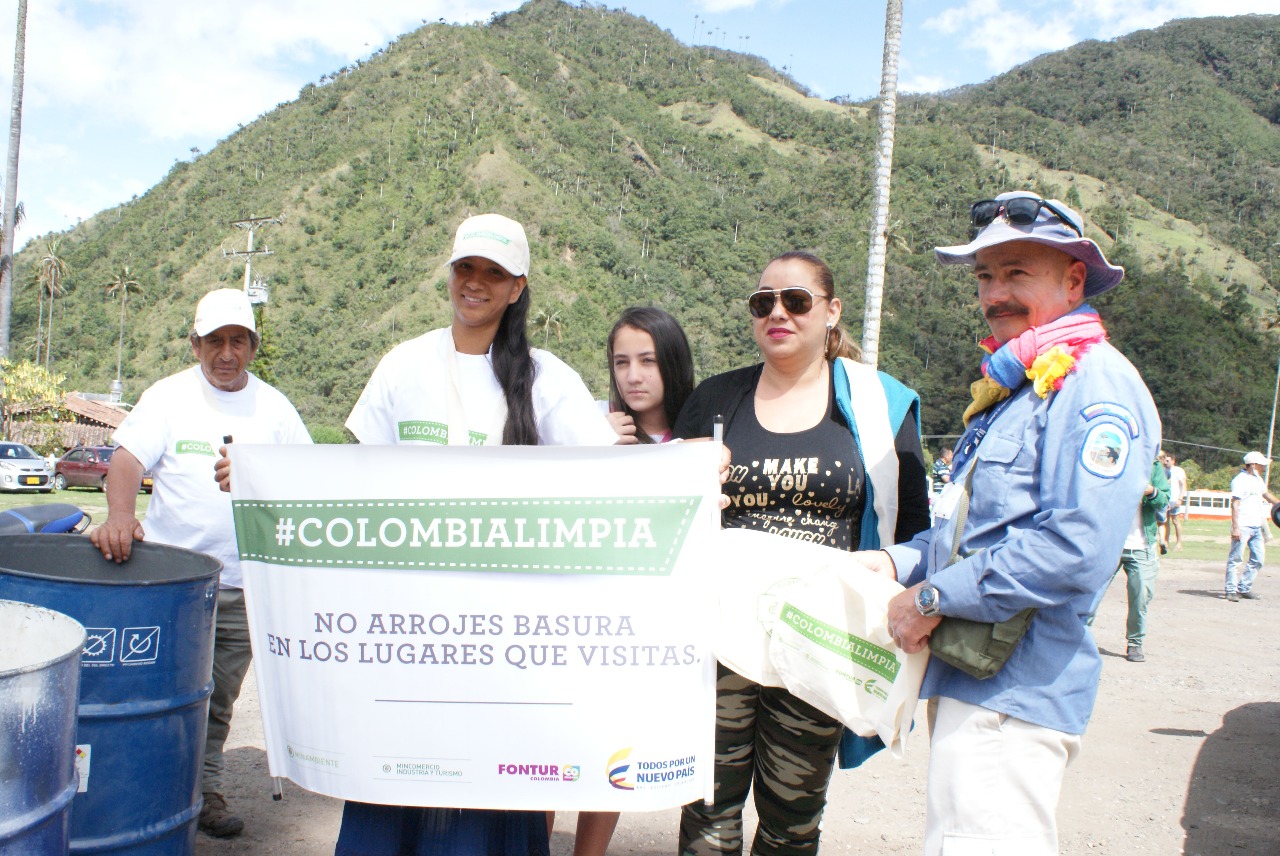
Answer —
927 601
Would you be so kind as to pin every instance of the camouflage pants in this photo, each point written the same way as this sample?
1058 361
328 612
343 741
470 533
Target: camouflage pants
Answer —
787 748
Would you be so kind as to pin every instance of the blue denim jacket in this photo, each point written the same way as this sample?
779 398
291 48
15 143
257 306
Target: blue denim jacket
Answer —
1056 483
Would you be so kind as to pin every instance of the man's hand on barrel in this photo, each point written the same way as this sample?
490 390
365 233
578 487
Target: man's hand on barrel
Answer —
115 537
124 479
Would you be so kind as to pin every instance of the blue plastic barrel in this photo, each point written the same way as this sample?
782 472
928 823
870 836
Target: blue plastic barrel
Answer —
39 680
144 683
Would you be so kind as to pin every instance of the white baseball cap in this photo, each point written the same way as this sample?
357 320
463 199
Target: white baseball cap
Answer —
1056 225
496 238
1255 458
222 307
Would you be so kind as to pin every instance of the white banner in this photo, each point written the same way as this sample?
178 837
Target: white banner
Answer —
483 627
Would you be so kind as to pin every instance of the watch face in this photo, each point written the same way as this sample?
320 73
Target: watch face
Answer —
927 600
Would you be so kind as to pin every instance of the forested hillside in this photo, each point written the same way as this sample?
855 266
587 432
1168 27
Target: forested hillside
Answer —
649 172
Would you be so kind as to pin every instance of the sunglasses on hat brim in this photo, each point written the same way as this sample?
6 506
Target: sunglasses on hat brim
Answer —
1020 211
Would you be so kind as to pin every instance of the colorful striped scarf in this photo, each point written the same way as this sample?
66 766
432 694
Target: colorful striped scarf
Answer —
1044 354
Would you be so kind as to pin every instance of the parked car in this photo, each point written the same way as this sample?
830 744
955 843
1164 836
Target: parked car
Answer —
86 466
22 469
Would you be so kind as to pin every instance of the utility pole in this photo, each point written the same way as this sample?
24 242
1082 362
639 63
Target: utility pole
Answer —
255 288
1271 433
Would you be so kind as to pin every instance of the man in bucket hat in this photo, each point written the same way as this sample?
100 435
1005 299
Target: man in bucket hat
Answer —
176 431
1054 460
1248 526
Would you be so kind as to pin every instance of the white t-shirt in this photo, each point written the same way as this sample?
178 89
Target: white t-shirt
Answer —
1137 538
1177 486
407 399
1249 489
175 431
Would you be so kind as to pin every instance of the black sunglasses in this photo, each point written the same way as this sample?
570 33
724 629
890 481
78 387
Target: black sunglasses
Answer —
795 299
1020 211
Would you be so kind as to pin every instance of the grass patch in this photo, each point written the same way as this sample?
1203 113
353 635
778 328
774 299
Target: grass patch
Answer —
89 500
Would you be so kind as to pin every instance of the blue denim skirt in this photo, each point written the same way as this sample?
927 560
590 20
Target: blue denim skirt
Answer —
391 830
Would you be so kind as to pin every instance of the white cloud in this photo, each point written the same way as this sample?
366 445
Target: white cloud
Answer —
116 89
1108 19
1007 37
926 83
1010 33
191 68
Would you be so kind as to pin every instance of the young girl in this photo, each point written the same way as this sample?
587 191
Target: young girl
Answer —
476 381
650 374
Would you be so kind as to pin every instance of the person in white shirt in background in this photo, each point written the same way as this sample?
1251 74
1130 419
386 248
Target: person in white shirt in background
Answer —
1177 504
1249 515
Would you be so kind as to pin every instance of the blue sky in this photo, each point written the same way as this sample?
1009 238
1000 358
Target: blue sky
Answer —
117 90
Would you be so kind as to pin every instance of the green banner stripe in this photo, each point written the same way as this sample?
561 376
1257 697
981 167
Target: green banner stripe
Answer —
564 535
422 431
854 648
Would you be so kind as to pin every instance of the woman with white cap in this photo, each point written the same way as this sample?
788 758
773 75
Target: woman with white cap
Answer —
476 381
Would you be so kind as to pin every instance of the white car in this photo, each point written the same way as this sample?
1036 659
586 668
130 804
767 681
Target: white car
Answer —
23 469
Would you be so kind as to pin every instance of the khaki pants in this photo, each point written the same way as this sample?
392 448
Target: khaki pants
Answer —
231 658
994 782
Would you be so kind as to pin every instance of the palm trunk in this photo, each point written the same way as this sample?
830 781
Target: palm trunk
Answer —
39 321
120 349
48 339
11 178
883 169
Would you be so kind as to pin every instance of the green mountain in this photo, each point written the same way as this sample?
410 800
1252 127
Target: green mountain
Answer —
649 172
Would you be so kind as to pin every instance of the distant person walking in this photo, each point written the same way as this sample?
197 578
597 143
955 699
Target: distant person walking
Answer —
1178 488
941 472
1141 563
1249 512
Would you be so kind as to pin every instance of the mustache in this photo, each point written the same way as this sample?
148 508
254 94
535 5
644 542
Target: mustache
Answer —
1009 307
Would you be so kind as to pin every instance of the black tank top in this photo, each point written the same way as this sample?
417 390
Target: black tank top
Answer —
806 485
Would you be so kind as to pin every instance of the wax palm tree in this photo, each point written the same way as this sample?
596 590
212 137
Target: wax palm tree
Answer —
53 270
547 323
10 212
880 199
19 214
121 285
33 280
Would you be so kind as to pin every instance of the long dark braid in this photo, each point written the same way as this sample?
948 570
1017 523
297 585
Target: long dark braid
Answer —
513 366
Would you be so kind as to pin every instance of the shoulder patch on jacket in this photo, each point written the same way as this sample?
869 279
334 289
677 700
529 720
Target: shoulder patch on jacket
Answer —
1115 411
1105 450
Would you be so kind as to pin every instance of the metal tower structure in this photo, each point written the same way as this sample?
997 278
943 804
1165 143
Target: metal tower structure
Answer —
255 287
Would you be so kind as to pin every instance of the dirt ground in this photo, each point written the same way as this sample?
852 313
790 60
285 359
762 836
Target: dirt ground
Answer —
1182 756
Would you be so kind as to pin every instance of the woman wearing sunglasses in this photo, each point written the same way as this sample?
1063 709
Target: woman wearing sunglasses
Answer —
826 450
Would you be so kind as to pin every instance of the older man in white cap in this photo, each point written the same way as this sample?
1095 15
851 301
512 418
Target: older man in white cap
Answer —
176 430
1249 515
1056 455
